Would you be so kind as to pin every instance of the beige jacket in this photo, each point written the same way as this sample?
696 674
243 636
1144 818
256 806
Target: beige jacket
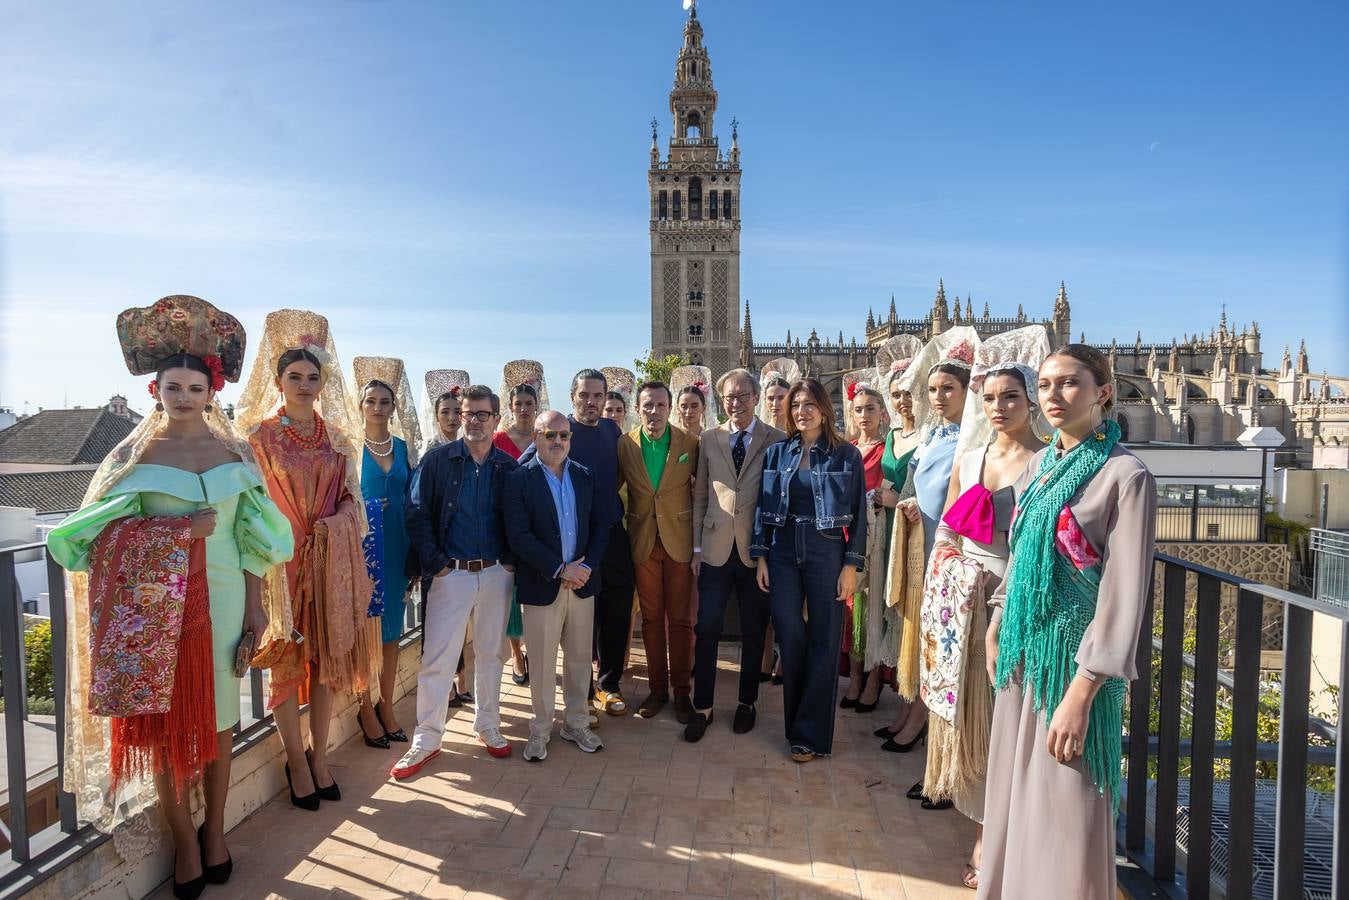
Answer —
666 508
724 503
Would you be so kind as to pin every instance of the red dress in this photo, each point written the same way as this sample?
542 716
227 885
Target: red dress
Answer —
871 467
503 441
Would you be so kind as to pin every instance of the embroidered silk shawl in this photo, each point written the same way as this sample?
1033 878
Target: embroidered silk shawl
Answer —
954 586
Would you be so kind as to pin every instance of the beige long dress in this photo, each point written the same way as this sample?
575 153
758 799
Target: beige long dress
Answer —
1048 830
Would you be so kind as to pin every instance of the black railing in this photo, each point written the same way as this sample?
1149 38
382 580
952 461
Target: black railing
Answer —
36 853
1247 820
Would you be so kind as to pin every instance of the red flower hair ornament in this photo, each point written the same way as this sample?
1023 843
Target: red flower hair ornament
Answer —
217 371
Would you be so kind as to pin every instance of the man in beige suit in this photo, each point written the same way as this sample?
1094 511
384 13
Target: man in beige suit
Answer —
725 497
657 461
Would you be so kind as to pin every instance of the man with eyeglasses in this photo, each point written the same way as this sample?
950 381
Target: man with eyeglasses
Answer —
458 533
553 527
725 496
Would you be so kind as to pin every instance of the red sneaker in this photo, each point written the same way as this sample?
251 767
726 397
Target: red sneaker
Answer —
413 761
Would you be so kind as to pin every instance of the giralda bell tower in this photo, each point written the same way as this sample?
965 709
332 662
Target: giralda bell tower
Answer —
695 221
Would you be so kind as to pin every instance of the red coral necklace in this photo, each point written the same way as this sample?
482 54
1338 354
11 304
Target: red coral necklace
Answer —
314 441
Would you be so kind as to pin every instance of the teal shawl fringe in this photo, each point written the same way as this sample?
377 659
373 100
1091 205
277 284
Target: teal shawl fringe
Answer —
1050 603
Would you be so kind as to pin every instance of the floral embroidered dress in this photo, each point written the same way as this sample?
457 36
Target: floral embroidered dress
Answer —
251 535
327 581
386 491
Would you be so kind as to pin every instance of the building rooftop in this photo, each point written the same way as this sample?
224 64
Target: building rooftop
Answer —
64 437
57 490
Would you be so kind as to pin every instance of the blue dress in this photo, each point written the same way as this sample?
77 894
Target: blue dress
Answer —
388 490
932 477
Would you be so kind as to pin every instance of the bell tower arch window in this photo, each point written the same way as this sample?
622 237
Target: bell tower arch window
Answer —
695 199
726 205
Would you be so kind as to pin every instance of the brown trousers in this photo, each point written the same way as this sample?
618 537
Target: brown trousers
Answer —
665 593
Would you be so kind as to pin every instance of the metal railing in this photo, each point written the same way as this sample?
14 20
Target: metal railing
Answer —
1244 834
36 854
1330 551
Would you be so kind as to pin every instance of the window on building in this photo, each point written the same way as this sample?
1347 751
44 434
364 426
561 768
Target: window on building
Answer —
695 199
726 210
678 205
664 205
711 204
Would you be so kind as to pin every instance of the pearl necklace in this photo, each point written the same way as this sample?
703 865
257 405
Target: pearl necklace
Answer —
371 445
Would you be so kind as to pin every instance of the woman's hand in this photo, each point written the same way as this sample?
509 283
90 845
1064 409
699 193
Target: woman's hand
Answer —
991 649
847 583
910 509
255 620
1068 729
203 522
888 497
761 575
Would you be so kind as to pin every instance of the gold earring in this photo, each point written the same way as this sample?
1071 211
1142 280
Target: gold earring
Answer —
208 408
159 407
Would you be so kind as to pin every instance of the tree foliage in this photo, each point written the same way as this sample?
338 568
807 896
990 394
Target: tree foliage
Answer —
658 368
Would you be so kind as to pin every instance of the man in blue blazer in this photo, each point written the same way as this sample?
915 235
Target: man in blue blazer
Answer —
554 527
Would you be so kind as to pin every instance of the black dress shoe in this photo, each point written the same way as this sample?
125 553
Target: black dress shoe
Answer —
190 890
219 873
400 736
330 793
929 803
456 699
697 727
683 707
308 802
744 718
377 743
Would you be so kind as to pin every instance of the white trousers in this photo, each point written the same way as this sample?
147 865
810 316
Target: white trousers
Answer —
568 622
452 598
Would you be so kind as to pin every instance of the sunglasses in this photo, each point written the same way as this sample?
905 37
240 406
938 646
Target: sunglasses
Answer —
551 435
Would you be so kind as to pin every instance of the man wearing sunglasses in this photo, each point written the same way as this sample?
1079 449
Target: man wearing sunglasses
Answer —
454 519
554 527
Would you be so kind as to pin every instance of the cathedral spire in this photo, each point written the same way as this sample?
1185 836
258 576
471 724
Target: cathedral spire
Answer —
893 318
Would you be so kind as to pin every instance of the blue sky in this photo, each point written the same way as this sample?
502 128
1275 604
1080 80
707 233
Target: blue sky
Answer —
463 183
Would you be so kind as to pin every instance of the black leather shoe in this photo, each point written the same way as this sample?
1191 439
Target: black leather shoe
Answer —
866 707
683 707
219 873
929 803
915 792
377 743
697 727
190 890
886 732
331 793
893 746
400 736
745 716
522 679
308 802
847 703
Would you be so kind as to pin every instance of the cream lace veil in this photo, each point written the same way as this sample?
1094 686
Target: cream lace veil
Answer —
914 378
517 372
682 377
868 378
623 381
403 424
437 382
87 769
782 367
1023 349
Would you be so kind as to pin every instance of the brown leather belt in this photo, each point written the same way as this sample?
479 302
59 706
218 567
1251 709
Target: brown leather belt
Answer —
471 565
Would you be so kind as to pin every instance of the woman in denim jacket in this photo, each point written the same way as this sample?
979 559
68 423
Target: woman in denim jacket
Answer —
810 538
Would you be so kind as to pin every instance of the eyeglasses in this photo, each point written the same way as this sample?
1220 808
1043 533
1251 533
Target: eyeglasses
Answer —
744 397
551 435
480 416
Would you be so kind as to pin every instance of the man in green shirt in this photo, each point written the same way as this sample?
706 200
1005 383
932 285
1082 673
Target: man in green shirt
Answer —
657 462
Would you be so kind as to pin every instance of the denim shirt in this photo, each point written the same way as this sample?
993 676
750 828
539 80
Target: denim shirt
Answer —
840 489
433 503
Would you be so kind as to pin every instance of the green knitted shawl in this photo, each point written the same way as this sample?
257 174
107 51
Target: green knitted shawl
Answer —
1050 603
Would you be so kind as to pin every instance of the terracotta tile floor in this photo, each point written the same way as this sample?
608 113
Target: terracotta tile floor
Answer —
649 816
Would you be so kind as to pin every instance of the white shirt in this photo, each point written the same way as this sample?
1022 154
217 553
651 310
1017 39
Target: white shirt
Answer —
748 432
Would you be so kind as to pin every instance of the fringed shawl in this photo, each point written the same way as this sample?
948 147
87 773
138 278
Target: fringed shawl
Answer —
906 595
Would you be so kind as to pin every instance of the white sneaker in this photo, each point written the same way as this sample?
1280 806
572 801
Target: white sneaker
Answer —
496 744
585 739
413 760
537 749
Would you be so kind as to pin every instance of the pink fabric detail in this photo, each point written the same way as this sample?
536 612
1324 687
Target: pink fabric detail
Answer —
1072 543
972 514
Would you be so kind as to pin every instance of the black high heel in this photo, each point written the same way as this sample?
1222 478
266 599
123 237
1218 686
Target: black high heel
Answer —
861 707
308 801
330 793
929 803
893 746
190 890
847 703
400 735
379 743
219 873
886 733
915 792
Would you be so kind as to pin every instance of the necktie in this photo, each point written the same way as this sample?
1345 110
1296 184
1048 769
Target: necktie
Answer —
738 452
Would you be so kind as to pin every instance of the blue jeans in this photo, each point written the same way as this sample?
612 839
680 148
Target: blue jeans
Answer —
803 569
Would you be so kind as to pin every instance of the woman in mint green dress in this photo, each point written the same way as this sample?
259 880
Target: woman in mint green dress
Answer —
182 479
